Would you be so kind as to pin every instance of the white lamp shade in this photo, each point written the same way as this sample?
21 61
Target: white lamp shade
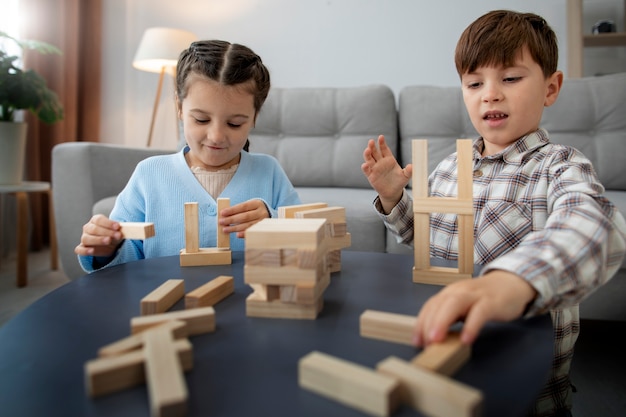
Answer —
160 47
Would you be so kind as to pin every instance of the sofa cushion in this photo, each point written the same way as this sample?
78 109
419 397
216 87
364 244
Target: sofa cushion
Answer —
318 134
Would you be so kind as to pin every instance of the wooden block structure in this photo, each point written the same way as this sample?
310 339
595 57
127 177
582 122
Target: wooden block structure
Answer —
424 383
285 264
423 206
137 230
338 236
164 297
193 254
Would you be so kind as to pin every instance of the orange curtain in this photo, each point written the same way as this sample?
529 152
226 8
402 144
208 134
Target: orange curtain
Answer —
75 27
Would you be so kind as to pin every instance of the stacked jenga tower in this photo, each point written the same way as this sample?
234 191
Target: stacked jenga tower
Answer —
285 264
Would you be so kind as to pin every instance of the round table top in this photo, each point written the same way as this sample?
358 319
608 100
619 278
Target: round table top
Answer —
249 365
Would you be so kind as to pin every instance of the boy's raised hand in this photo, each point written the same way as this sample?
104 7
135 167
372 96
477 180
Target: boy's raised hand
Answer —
384 173
496 296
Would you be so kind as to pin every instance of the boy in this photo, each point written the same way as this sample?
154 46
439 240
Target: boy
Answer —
544 232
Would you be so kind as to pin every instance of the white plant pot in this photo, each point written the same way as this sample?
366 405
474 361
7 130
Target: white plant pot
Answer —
12 152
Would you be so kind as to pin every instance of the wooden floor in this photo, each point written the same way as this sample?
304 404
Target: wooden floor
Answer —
598 370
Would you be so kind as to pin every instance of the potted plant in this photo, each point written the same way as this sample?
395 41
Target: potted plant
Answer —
21 90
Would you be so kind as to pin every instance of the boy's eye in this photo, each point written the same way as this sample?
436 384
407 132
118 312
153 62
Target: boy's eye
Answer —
512 79
473 85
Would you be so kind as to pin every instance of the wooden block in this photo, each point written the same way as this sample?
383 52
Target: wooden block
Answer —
205 256
334 260
166 383
223 239
446 357
198 320
137 230
210 293
349 383
304 293
438 275
391 327
286 275
339 242
430 393
135 341
111 374
263 257
443 205
288 212
192 224
264 292
163 298
286 234
276 309
332 214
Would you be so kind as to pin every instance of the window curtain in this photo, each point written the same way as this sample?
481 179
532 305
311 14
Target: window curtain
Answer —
75 27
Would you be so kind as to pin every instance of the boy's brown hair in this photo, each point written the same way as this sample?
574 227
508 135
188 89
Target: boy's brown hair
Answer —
497 38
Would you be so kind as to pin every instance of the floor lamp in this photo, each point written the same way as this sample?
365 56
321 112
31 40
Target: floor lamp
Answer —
158 52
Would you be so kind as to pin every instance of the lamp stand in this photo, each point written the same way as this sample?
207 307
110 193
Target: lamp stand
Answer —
155 108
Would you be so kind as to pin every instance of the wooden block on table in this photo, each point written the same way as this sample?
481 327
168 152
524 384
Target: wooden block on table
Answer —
288 212
164 375
391 327
446 357
223 239
162 298
137 230
431 393
205 256
349 383
256 306
210 293
198 320
135 341
332 214
111 374
439 275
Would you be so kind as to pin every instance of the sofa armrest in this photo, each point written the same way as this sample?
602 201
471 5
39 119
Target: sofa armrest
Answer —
82 174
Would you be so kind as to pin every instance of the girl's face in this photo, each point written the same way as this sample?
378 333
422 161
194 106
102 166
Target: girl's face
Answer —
216 120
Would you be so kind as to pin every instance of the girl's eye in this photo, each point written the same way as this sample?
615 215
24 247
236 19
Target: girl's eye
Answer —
201 121
234 125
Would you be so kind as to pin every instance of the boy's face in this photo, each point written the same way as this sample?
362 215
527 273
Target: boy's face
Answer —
505 104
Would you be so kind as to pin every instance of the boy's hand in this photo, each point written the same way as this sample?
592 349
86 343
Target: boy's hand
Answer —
384 173
237 218
101 237
495 296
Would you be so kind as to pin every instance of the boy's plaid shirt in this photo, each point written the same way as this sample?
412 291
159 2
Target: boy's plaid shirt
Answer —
539 212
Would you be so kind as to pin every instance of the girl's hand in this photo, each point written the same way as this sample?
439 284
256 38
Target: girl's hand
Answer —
237 218
101 237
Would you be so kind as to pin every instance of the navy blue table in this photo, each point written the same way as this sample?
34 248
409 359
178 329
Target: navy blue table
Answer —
248 366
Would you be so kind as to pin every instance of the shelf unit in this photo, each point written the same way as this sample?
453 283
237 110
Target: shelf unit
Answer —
577 40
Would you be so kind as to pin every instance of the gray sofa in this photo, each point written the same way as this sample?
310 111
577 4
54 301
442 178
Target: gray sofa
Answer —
318 135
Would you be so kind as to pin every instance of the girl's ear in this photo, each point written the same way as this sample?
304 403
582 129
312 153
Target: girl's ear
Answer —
553 87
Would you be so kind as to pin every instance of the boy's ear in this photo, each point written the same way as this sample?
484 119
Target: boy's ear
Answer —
553 87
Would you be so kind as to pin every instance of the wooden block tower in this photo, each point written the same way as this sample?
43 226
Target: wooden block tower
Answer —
285 264
423 205
192 254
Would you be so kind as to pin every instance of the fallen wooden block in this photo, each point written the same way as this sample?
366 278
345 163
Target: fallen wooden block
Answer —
349 383
135 341
198 320
431 393
391 327
446 357
210 293
137 230
166 383
163 298
111 374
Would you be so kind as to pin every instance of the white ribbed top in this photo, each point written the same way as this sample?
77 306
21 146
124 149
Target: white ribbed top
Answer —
214 181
